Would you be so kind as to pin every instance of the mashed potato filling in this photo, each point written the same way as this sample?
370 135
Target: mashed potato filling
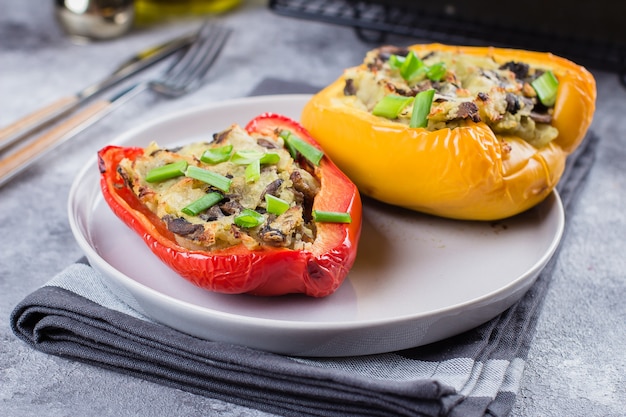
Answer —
216 227
473 88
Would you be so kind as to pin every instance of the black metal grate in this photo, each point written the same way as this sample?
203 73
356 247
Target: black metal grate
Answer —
600 45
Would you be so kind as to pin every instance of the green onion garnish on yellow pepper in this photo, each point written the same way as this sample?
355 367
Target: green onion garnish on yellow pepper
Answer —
166 172
546 86
331 217
203 203
436 71
391 106
218 181
412 68
421 108
396 61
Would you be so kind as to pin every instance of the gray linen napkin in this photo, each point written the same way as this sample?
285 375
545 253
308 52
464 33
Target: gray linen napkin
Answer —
476 373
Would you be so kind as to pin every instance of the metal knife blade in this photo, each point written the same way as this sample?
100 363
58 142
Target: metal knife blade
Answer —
40 118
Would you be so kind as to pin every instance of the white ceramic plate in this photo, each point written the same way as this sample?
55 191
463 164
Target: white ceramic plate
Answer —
417 279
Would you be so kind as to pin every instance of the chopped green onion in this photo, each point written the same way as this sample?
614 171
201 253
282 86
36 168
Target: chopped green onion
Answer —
275 205
391 106
203 203
270 158
218 181
412 67
421 108
285 134
436 71
246 156
396 61
308 151
331 217
217 155
546 86
166 172
249 218
253 171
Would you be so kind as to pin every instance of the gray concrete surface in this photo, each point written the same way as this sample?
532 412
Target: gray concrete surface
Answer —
576 367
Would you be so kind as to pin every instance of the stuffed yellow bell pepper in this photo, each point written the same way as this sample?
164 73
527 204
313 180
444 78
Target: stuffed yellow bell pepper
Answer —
476 133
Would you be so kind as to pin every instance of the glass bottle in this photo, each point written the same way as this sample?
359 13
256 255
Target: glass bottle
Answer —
153 11
95 19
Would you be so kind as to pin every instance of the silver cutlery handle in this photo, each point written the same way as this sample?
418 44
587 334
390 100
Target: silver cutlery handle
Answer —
17 161
31 123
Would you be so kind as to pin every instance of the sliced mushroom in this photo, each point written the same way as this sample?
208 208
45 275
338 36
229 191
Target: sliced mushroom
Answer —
182 227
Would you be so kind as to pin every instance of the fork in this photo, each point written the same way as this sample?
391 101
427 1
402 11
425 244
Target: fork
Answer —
185 75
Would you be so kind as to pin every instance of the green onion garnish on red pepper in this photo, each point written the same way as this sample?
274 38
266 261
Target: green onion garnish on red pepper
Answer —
290 148
212 178
308 151
546 86
203 203
249 218
275 205
421 108
269 159
217 155
246 156
253 171
331 217
166 172
391 106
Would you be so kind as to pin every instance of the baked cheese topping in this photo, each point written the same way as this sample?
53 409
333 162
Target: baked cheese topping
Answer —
216 227
472 88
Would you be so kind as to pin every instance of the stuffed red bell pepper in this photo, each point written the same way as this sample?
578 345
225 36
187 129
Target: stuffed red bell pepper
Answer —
258 210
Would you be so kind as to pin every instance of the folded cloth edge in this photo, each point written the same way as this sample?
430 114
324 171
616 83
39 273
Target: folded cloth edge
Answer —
60 322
